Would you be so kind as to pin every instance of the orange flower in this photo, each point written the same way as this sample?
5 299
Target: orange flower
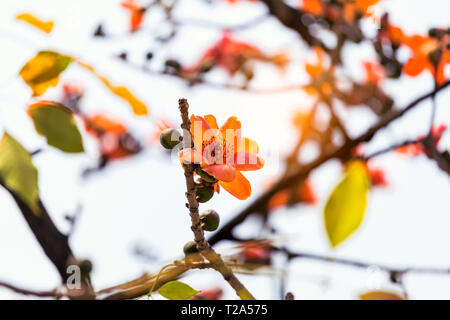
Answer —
115 141
255 252
235 1
223 153
316 69
305 194
314 7
321 74
374 72
136 13
377 177
230 54
417 148
421 47
364 5
351 8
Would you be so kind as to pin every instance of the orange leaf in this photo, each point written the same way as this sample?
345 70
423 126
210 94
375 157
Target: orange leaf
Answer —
45 26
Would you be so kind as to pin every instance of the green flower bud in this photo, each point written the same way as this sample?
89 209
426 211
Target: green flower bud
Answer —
210 220
205 176
170 138
204 193
190 248
173 64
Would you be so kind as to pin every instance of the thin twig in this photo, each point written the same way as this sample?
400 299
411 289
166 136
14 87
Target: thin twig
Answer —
364 265
200 81
392 148
42 294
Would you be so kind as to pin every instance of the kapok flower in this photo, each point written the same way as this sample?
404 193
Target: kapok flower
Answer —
417 149
374 72
223 153
137 13
377 177
304 194
115 140
321 74
233 56
314 7
422 47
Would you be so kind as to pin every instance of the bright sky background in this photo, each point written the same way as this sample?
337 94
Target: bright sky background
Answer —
141 200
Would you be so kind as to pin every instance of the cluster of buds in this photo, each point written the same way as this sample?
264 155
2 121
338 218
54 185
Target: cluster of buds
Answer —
205 184
210 221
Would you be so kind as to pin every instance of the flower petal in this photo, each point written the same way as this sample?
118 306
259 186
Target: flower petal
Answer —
239 187
191 156
415 66
248 145
246 161
231 134
211 121
221 172
201 131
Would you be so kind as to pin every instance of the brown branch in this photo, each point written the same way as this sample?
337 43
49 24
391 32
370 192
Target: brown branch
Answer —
202 244
142 285
42 294
363 265
52 241
212 24
259 204
393 147
200 81
291 18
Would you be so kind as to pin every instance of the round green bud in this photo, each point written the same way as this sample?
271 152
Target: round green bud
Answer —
190 248
173 64
85 266
170 138
204 193
210 220
205 176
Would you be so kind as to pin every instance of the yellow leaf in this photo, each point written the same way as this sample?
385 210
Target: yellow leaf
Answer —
139 107
43 70
380 295
45 26
18 173
344 210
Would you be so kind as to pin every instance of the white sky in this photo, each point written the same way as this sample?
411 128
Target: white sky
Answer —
142 200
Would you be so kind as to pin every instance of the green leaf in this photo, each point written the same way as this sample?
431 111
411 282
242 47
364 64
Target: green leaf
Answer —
176 290
42 71
344 210
56 123
18 172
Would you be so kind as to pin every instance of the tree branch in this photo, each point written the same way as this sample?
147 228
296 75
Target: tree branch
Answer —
52 241
292 19
259 204
363 265
41 294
